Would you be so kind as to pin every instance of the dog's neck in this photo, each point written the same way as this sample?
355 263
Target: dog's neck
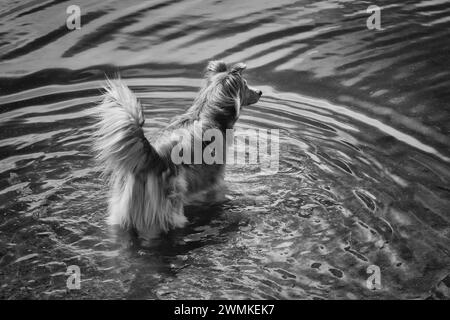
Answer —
213 108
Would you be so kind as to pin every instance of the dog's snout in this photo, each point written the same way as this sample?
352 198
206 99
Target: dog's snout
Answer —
259 92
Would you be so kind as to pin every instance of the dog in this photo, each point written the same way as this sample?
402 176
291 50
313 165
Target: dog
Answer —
148 190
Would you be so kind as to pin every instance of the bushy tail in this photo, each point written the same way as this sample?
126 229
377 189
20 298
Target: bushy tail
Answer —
138 197
120 144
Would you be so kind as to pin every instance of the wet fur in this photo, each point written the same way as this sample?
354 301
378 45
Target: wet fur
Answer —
148 191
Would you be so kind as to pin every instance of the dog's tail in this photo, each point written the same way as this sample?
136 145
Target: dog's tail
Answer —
120 144
121 149
134 168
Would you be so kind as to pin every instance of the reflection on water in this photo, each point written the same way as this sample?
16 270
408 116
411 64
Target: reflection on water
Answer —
364 161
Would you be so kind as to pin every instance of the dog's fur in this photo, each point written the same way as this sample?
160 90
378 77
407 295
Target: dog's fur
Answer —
148 190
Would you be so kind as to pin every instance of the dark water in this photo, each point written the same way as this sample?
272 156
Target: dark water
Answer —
364 127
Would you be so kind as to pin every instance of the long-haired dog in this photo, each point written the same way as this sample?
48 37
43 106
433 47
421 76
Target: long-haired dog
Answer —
148 189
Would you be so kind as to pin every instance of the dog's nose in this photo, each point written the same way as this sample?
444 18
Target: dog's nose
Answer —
259 92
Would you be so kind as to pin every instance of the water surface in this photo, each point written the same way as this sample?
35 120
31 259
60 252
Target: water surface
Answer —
364 156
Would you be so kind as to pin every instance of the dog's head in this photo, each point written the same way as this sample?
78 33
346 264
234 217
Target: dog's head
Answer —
226 89
233 83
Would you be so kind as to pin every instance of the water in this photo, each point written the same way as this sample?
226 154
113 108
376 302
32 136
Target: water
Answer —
364 167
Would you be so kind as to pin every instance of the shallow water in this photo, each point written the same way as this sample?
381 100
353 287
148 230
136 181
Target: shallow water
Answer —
364 156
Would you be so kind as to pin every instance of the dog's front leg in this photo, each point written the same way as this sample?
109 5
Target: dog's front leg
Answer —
178 218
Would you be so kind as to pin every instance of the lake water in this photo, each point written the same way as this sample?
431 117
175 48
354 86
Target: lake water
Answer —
364 172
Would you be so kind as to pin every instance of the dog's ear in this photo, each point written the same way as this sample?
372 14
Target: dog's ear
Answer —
216 66
238 68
